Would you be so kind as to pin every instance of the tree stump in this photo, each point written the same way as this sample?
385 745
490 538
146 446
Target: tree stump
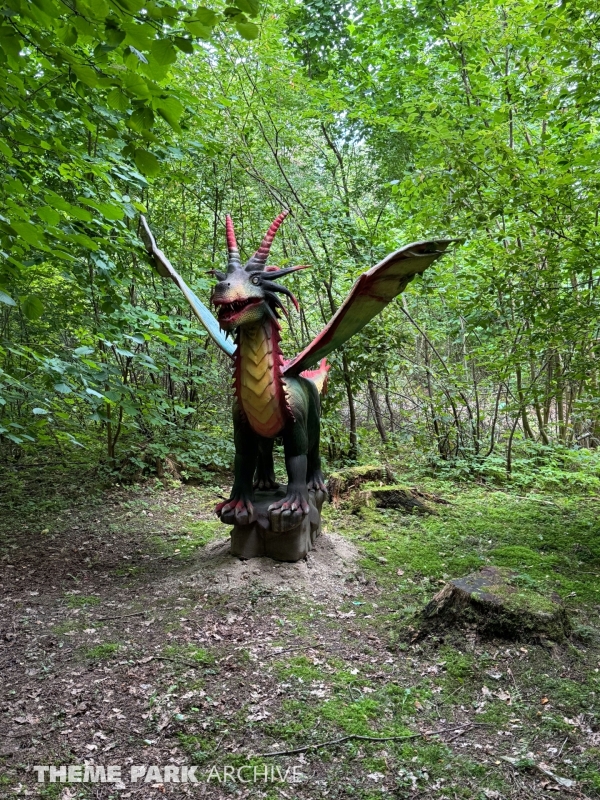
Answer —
400 497
493 601
347 480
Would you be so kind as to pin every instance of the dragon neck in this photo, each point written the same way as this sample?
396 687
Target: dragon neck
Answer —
259 385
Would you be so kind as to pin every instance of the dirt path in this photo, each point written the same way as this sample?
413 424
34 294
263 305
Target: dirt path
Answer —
130 637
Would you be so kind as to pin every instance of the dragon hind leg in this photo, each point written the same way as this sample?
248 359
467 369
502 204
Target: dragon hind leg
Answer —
264 478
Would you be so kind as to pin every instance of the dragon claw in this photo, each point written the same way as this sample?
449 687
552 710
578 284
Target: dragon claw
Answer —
288 512
236 511
316 482
266 484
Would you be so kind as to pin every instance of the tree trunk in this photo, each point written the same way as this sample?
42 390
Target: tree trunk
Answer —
526 426
377 410
353 451
560 411
388 401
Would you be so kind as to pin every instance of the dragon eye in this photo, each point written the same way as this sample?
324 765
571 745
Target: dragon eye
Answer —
255 279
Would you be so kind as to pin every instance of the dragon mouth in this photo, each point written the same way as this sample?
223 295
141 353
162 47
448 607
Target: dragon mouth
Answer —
228 312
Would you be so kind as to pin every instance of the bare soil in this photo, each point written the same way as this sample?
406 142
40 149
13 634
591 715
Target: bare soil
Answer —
126 640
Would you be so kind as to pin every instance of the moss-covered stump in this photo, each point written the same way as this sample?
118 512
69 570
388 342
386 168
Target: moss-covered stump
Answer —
347 480
400 497
493 601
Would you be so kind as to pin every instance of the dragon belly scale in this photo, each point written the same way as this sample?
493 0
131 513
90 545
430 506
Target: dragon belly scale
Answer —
258 378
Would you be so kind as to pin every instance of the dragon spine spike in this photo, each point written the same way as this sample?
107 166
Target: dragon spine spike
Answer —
232 248
259 259
276 301
277 287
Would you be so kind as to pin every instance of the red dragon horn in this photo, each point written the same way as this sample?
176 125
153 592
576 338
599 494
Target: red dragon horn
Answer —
232 248
259 259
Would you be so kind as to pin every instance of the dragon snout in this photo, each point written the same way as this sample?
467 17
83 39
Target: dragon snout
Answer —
236 307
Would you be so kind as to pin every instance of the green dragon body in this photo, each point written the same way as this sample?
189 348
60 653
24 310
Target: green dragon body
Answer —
274 397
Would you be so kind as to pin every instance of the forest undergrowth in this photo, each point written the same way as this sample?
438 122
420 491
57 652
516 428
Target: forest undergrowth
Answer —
129 636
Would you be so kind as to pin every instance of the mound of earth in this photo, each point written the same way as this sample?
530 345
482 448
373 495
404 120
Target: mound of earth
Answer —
321 574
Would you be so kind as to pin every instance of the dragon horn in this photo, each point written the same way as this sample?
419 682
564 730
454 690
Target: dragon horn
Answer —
232 248
259 259
272 275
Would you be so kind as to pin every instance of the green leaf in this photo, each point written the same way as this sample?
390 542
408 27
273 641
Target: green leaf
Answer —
80 213
198 29
185 45
170 110
204 16
87 75
147 163
63 388
32 307
117 100
13 438
134 51
247 30
163 52
32 234
114 36
248 6
110 211
48 215
142 119
48 7
6 299
40 411
69 35
136 85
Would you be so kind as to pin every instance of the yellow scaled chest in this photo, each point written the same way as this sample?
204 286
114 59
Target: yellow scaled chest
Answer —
259 384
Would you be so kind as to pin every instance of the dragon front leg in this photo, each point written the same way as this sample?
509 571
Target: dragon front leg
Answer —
287 513
239 510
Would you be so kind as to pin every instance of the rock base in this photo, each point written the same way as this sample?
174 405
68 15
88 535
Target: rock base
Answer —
493 601
265 537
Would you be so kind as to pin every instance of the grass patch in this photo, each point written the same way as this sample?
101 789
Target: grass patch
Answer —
185 543
81 601
299 667
190 653
481 527
101 652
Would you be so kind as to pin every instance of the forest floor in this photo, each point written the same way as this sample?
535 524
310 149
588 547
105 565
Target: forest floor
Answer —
129 636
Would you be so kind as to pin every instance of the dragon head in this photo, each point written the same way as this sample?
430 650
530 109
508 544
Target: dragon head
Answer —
246 294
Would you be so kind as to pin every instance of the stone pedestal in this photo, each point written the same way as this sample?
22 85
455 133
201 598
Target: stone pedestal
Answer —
271 535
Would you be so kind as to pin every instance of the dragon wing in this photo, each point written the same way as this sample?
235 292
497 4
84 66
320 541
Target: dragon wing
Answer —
370 294
166 270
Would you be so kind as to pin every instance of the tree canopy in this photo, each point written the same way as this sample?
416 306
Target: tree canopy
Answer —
378 124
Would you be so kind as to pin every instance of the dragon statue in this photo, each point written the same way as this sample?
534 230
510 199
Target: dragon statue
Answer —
275 397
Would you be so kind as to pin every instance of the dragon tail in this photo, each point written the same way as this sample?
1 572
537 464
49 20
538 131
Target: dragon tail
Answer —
319 376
